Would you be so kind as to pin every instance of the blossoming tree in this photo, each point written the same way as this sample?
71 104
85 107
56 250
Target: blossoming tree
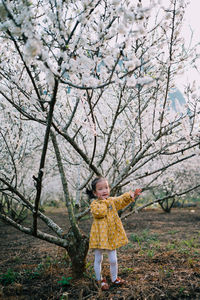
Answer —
85 89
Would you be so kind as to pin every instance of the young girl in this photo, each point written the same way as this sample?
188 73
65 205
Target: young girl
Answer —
107 232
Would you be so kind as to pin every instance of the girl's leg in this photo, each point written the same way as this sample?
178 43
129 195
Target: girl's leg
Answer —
98 258
112 256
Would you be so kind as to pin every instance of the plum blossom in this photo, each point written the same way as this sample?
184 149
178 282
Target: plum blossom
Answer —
116 2
131 81
32 48
145 80
80 46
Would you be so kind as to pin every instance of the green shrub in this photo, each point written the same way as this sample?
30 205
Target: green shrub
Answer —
65 281
9 277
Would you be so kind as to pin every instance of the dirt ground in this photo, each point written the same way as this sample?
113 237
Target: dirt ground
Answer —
161 261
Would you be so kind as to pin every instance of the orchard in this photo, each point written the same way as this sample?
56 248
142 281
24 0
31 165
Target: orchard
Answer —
86 90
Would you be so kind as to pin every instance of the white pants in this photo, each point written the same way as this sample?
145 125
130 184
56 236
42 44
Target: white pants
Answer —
112 257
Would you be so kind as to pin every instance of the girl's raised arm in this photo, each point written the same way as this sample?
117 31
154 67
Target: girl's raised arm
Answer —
123 200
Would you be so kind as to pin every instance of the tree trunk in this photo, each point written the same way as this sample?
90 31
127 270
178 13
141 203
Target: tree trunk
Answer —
167 205
77 249
78 242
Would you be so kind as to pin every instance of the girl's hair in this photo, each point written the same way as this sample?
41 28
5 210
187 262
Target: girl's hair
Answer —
90 191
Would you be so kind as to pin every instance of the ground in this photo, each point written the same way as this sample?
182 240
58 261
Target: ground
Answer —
161 261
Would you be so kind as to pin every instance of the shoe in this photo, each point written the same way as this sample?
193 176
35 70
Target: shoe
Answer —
104 285
119 281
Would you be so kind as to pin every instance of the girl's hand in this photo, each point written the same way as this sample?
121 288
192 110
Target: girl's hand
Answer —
136 193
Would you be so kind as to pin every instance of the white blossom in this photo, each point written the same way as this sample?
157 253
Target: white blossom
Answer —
32 48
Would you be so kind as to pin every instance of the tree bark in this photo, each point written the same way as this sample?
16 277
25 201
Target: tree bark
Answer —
77 248
78 243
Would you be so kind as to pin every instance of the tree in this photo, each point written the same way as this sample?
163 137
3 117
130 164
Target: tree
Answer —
86 85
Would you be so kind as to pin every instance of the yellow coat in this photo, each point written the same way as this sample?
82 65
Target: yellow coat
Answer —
107 231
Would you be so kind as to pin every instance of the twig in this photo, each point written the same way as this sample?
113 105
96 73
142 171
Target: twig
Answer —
160 200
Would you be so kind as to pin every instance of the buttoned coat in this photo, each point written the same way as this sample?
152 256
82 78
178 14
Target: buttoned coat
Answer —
107 231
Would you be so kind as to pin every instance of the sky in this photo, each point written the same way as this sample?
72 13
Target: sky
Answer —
192 16
192 21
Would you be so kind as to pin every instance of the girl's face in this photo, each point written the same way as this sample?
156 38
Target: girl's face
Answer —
102 191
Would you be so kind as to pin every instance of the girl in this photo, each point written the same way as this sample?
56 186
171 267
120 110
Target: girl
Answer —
107 232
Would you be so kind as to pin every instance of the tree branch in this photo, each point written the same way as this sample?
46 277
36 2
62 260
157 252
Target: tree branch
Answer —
41 235
160 200
43 158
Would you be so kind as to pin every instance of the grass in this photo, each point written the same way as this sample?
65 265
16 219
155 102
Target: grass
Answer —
65 281
145 236
185 245
165 272
149 244
8 277
126 270
159 262
146 241
172 232
171 246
